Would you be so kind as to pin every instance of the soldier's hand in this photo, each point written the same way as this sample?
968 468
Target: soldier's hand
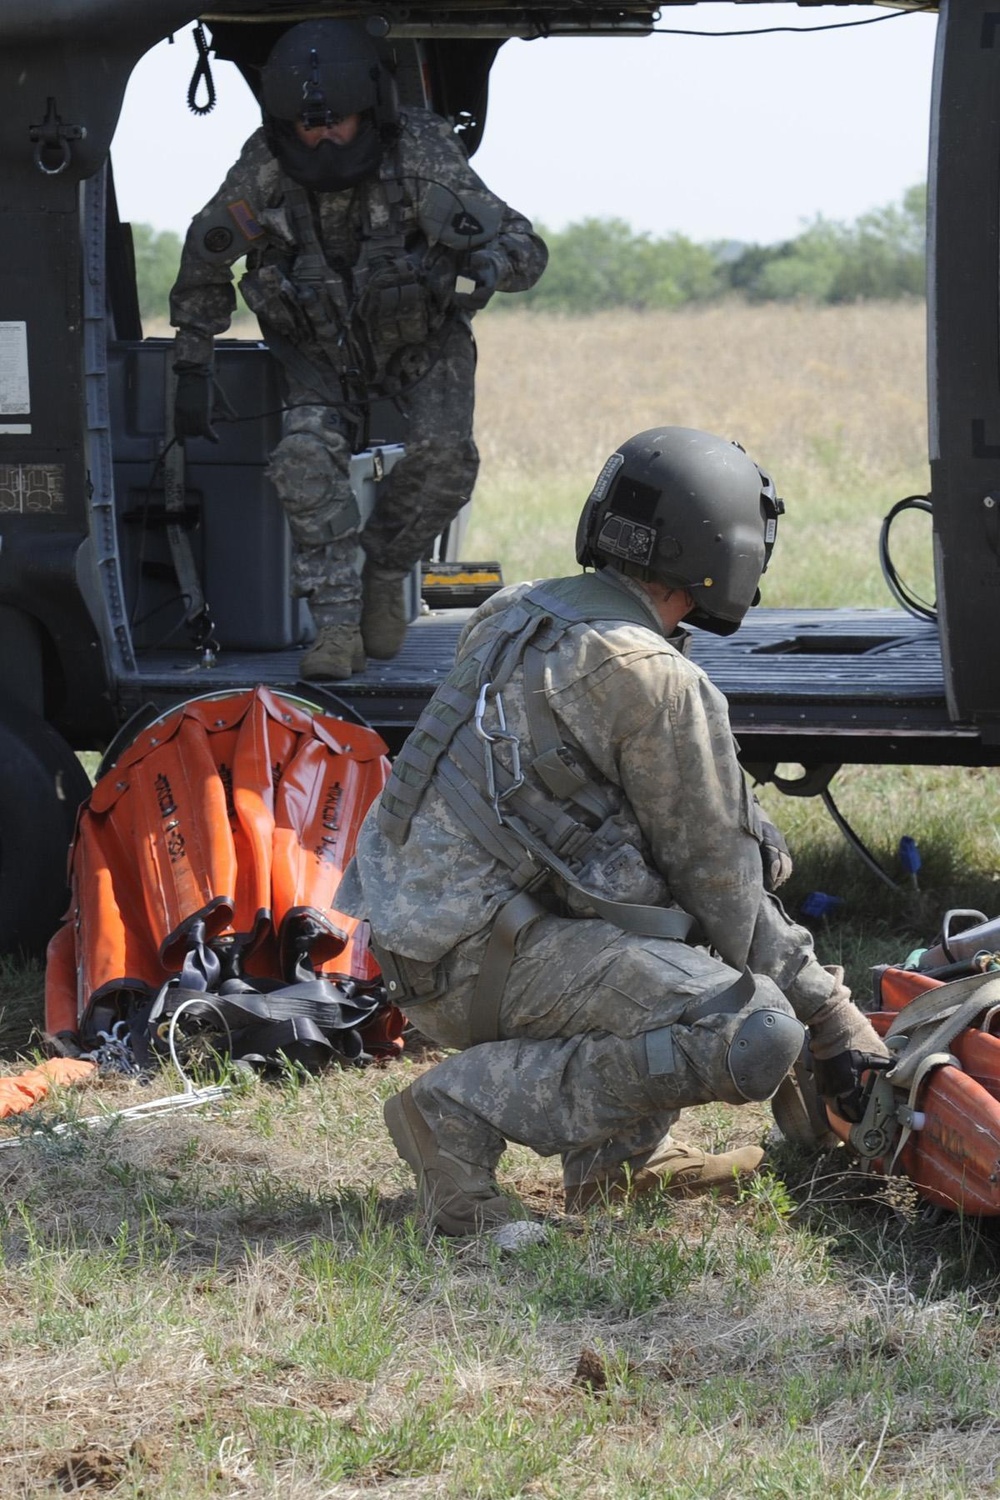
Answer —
844 1045
483 271
841 1080
774 856
193 405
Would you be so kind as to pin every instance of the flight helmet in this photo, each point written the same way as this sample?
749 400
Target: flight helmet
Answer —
690 510
318 73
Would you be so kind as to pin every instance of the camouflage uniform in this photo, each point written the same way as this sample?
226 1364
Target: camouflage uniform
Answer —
422 354
604 1035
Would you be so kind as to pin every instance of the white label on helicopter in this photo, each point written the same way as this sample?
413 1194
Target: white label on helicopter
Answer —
15 400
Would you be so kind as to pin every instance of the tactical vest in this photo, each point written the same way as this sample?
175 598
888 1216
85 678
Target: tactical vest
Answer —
360 319
539 833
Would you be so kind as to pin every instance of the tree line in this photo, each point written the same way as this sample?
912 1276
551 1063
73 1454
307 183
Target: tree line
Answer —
604 263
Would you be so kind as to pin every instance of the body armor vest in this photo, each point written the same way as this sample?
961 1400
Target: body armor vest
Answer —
554 835
355 320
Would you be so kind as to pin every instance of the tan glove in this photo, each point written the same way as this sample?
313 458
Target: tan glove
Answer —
844 1046
774 856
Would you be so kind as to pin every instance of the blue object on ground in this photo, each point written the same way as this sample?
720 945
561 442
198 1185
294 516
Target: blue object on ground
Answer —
909 854
819 904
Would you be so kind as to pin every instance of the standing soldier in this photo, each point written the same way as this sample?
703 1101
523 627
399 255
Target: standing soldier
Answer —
568 879
369 243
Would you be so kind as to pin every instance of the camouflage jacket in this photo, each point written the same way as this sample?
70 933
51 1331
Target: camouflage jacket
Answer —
650 728
249 216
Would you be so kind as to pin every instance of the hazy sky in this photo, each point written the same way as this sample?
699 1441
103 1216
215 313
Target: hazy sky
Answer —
717 138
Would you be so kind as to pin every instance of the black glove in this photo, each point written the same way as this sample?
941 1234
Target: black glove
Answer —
840 1080
484 270
193 405
774 856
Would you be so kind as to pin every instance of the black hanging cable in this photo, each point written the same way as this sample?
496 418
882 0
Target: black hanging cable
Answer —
796 30
202 74
910 601
857 844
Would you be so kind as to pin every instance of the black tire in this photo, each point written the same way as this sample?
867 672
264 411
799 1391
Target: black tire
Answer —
41 786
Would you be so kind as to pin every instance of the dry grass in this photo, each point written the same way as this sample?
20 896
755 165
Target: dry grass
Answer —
239 1303
832 400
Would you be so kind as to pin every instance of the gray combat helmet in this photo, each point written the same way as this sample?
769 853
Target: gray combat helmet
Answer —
690 510
319 72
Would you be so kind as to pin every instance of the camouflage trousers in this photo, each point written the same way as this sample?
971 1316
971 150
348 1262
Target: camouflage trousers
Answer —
605 1037
310 469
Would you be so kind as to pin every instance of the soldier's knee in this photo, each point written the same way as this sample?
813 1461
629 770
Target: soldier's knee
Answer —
452 460
765 1043
314 488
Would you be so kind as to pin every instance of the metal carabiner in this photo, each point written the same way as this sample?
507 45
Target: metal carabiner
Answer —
500 735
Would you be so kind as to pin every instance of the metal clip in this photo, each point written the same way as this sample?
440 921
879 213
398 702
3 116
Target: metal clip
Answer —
51 140
875 1134
497 736
114 1052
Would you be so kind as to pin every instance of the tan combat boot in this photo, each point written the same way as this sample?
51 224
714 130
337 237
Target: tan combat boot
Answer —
682 1171
384 613
336 652
456 1197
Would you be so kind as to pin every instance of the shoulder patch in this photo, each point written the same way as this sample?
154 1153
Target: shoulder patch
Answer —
244 219
217 239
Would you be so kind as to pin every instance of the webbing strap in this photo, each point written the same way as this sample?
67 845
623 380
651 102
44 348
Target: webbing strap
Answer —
643 921
725 1001
927 1065
487 999
939 1015
561 832
326 385
174 499
316 1000
501 840
478 817
927 1025
424 750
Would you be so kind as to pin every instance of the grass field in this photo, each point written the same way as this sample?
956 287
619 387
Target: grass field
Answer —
830 400
237 1302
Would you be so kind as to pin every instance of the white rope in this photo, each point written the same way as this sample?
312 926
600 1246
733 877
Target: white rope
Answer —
150 1109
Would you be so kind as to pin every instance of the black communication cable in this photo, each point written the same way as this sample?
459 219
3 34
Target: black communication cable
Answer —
911 601
797 30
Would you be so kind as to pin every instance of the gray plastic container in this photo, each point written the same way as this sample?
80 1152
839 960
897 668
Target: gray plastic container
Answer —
239 537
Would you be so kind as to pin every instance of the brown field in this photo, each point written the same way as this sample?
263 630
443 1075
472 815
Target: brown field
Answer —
831 400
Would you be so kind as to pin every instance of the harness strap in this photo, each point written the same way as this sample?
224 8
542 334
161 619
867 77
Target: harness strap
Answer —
939 1015
307 372
562 833
726 1001
478 817
906 1115
503 839
487 999
178 536
425 749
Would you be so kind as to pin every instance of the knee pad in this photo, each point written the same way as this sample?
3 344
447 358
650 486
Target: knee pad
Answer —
763 1049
